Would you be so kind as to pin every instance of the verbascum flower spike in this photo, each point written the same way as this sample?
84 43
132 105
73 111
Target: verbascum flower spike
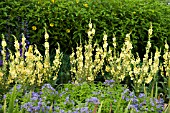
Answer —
90 24
3 52
23 44
46 34
3 43
166 45
16 43
150 31
114 41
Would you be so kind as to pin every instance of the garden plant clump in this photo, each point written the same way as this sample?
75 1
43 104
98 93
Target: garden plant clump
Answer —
76 69
80 98
31 91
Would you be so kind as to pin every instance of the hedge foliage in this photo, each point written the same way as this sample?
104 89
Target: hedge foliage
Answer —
67 21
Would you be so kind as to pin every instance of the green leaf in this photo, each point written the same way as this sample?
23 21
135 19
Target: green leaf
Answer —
12 100
126 110
156 90
118 105
51 109
100 108
4 107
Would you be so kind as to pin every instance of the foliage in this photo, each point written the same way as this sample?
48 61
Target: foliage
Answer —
67 21
84 97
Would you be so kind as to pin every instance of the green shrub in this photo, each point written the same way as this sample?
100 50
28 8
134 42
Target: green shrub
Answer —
67 21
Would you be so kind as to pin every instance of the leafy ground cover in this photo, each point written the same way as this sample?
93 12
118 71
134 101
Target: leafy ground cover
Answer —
106 97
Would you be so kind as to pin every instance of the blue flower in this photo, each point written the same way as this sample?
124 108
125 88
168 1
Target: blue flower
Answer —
19 86
0 106
132 94
93 100
4 97
141 95
125 91
152 102
134 106
84 110
109 82
35 96
48 86
61 111
160 101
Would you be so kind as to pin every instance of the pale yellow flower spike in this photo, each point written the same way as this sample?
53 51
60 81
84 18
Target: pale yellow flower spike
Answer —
150 31
3 43
46 34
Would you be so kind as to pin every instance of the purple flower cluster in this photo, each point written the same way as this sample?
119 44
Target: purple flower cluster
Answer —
35 104
93 100
109 82
80 110
64 101
39 102
141 102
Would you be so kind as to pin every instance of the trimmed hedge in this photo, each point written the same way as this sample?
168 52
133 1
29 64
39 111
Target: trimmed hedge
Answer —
67 21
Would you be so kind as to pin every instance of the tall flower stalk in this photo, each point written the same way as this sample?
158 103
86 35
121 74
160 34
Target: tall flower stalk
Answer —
83 66
29 68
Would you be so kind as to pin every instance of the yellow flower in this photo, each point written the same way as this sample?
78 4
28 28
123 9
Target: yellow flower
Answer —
1 74
134 12
68 30
77 1
85 5
148 80
51 24
34 28
52 1
46 45
3 43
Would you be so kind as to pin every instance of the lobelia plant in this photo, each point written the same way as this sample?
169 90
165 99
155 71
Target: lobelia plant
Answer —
106 97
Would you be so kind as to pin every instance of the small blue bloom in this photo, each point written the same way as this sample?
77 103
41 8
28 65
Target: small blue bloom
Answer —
84 110
125 91
109 82
141 95
94 100
62 111
48 86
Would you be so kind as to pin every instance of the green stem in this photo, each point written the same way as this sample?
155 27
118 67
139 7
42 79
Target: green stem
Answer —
169 86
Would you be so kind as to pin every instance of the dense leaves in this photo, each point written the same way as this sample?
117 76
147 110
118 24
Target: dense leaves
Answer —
67 21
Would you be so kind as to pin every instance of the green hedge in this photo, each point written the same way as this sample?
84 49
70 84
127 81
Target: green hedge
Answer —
71 17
